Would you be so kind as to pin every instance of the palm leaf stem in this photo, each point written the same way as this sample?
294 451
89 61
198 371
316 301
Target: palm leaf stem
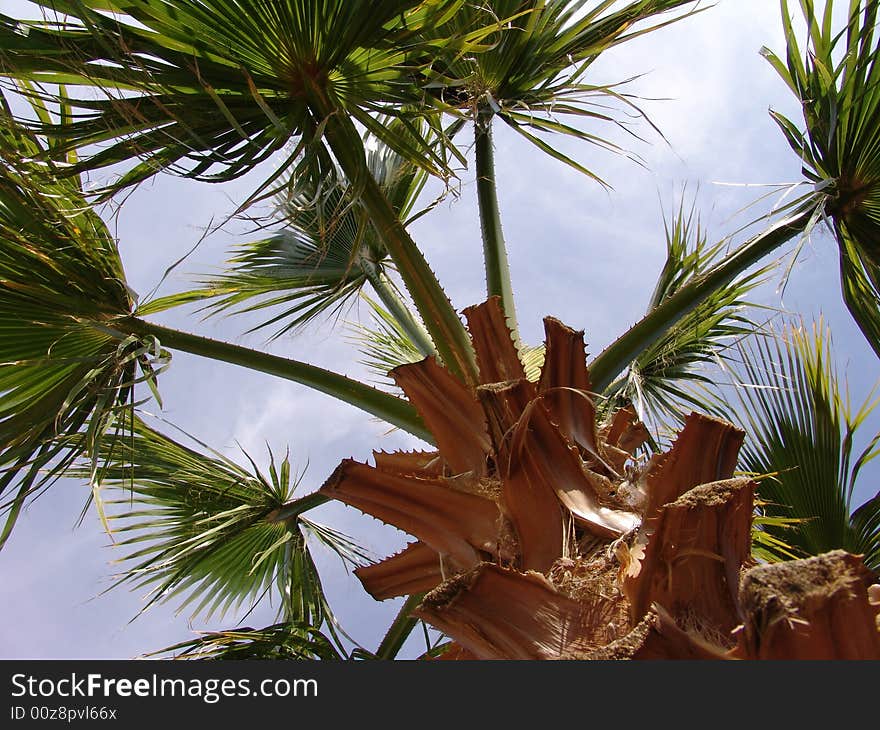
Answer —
292 510
392 409
494 248
385 291
620 353
443 323
400 629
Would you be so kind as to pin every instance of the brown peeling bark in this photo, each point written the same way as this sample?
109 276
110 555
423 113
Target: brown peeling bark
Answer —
451 522
695 550
419 463
450 411
625 430
528 500
540 470
497 613
817 608
454 652
416 569
541 455
590 557
705 451
565 385
657 636
497 357
620 439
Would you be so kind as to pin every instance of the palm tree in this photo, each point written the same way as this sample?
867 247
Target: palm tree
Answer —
540 482
803 433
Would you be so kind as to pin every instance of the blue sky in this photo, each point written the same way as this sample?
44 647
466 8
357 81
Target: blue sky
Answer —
580 253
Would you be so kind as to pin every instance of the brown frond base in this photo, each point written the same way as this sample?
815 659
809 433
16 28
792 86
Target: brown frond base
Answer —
818 608
541 533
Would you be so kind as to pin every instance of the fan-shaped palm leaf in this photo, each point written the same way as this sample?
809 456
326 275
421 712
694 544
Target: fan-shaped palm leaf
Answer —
837 82
531 76
200 528
280 641
803 433
664 380
325 254
63 366
836 78
71 347
210 89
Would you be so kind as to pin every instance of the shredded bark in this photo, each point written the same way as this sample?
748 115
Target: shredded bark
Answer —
497 613
418 463
592 580
450 522
528 500
565 385
816 608
695 549
497 358
450 411
626 646
705 451
626 432
593 554
416 569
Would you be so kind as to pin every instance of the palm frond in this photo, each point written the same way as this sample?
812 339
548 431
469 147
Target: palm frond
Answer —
836 79
665 381
803 433
200 528
385 345
279 641
530 75
866 523
325 254
768 543
63 367
209 89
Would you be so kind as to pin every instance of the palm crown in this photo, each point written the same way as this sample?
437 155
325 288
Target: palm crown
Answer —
361 102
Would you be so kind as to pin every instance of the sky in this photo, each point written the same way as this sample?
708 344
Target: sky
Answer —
585 255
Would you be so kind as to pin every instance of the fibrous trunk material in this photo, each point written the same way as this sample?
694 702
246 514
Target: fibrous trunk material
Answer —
541 533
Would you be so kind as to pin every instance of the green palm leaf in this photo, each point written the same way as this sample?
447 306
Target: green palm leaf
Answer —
211 89
199 528
666 379
326 253
385 344
280 641
836 79
64 368
531 74
802 433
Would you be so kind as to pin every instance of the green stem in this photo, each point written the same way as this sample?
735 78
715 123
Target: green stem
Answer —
398 309
444 325
375 402
494 249
620 353
294 509
400 629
